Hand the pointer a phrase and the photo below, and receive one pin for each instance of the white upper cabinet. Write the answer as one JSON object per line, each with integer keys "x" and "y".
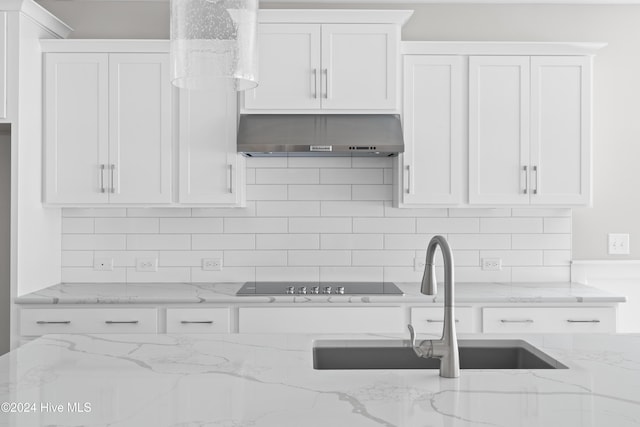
{"x": 210, "y": 169}
{"x": 4, "y": 38}
{"x": 529, "y": 130}
{"x": 107, "y": 128}
{"x": 430, "y": 169}
{"x": 314, "y": 61}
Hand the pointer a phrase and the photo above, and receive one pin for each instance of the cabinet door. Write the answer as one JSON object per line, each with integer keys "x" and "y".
{"x": 289, "y": 76}
{"x": 432, "y": 115}
{"x": 3, "y": 64}
{"x": 140, "y": 128}
{"x": 560, "y": 130}
{"x": 75, "y": 130}
{"x": 499, "y": 130}
{"x": 359, "y": 66}
{"x": 211, "y": 170}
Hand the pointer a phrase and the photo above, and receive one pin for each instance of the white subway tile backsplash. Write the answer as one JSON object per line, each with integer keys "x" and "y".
{"x": 287, "y": 175}
{"x": 372, "y": 192}
{"x": 287, "y": 241}
{"x": 319, "y": 192}
{"x": 353, "y": 208}
{"x": 382, "y": 258}
{"x": 320, "y": 225}
{"x": 384, "y": 225}
{"x": 190, "y": 225}
{"x": 255, "y": 225}
{"x": 255, "y": 258}
{"x": 304, "y": 274}
{"x": 77, "y": 225}
{"x": 288, "y": 208}
{"x": 351, "y": 176}
{"x": 351, "y": 241}
{"x": 223, "y": 241}
{"x": 311, "y": 219}
{"x": 542, "y": 241}
{"x": 511, "y": 225}
{"x": 88, "y": 242}
{"x": 319, "y": 258}
{"x": 158, "y": 241}
{"x": 126, "y": 225}
{"x": 447, "y": 225}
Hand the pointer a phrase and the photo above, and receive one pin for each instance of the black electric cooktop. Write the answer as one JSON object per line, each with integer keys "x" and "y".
{"x": 319, "y": 288}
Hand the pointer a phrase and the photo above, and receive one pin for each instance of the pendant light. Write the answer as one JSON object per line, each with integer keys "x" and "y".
{"x": 214, "y": 41}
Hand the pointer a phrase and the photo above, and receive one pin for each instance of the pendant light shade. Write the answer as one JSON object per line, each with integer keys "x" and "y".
{"x": 213, "y": 40}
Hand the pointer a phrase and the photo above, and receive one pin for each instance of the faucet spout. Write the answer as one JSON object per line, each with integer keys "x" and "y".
{"x": 446, "y": 349}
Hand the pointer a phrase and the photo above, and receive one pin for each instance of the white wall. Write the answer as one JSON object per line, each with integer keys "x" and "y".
{"x": 616, "y": 125}
{"x": 5, "y": 238}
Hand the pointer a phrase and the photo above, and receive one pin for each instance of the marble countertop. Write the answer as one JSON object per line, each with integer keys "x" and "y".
{"x": 188, "y": 293}
{"x": 269, "y": 381}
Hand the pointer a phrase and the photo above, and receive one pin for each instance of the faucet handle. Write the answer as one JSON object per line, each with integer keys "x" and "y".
{"x": 412, "y": 334}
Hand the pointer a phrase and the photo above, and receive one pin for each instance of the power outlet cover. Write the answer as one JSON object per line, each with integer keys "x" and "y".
{"x": 147, "y": 264}
{"x": 212, "y": 264}
{"x": 491, "y": 264}
{"x": 619, "y": 244}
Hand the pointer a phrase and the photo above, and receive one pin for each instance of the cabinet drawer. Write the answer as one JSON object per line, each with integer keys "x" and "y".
{"x": 198, "y": 320}
{"x": 34, "y": 322}
{"x": 321, "y": 320}
{"x": 549, "y": 320}
{"x": 430, "y": 320}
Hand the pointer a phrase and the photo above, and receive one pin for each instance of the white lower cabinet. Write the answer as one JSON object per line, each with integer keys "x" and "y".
{"x": 41, "y": 321}
{"x": 321, "y": 320}
{"x": 430, "y": 320}
{"x": 548, "y": 320}
{"x": 198, "y": 321}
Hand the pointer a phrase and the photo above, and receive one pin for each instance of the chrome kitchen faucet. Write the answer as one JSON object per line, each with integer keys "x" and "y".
{"x": 446, "y": 348}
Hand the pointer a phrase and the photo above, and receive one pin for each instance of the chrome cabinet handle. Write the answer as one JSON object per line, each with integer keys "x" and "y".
{"x": 315, "y": 83}
{"x": 185, "y": 322}
{"x": 583, "y": 321}
{"x": 409, "y": 181}
{"x": 113, "y": 172}
{"x": 438, "y": 321}
{"x": 526, "y": 180}
{"x": 516, "y": 320}
{"x": 118, "y": 322}
{"x": 326, "y": 83}
{"x": 230, "y": 170}
{"x": 102, "y": 168}
{"x": 535, "y": 170}
{"x": 58, "y": 322}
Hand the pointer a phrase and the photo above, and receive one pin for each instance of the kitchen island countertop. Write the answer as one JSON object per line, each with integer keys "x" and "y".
{"x": 225, "y": 293}
{"x": 268, "y": 380}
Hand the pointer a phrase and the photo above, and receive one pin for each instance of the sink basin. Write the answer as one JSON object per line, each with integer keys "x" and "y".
{"x": 397, "y": 354}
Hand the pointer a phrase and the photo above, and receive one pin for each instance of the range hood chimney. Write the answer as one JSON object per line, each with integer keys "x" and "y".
{"x": 376, "y": 135}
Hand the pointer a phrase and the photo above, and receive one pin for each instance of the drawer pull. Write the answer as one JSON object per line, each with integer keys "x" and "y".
{"x": 47, "y": 322}
{"x": 184, "y": 322}
{"x": 438, "y": 321}
{"x": 516, "y": 320}
{"x": 117, "y": 322}
{"x": 583, "y": 321}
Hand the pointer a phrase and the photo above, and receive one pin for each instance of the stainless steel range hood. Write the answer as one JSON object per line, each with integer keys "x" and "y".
{"x": 320, "y": 135}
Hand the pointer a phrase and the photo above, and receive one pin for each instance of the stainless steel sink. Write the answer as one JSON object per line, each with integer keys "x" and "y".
{"x": 397, "y": 354}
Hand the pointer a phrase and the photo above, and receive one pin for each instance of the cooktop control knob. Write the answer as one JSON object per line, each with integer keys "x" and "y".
{"x": 340, "y": 290}
{"x": 326, "y": 290}
{"x": 291, "y": 290}
{"x": 315, "y": 290}
{"x": 302, "y": 290}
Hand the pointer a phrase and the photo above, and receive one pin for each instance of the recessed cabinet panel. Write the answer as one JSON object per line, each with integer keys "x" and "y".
{"x": 560, "y": 134}
{"x": 140, "y": 124}
{"x": 431, "y": 166}
{"x": 76, "y": 134}
{"x": 289, "y": 60}
{"x": 498, "y": 130}
{"x": 211, "y": 171}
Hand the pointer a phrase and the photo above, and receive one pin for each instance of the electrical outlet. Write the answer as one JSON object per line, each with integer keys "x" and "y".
{"x": 147, "y": 264}
{"x": 418, "y": 264}
{"x": 103, "y": 264}
{"x": 212, "y": 264}
{"x": 619, "y": 244}
{"x": 491, "y": 264}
